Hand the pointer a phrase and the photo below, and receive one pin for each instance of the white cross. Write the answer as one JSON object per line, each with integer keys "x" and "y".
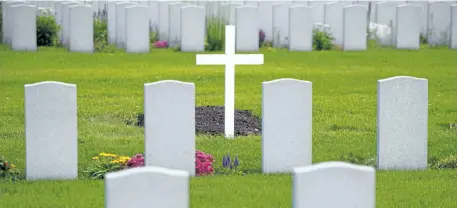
{"x": 230, "y": 59}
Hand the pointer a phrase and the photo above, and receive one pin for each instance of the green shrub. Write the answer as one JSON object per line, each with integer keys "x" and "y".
{"x": 101, "y": 43}
{"x": 215, "y": 35}
{"x": 322, "y": 40}
{"x": 47, "y": 31}
{"x": 356, "y": 159}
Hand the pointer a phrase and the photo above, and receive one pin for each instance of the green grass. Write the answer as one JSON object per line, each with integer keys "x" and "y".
{"x": 110, "y": 91}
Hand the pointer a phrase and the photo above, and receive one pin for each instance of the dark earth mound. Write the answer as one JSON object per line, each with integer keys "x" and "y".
{"x": 210, "y": 120}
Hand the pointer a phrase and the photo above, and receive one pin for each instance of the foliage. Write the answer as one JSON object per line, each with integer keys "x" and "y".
{"x": 203, "y": 163}
{"x": 423, "y": 39}
{"x": 101, "y": 42}
{"x": 229, "y": 166}
{"x": 153, "y": 37}
{"x": 215, "y": 35}
{"x": 447, "y": 162}
{"x": 8, "y": 170}
{"x": 356, "y": 159}
{"x": 322, "y": 40}
{"x": 106, "y": 162}
{"x": 47, "y": 31}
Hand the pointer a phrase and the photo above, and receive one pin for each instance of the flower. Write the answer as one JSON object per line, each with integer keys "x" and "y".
{"x": 161, "y": 44}
{"x": 136, "y": 161}
{"x": 103, "y": 154}
{"x": 95, "y": 158}
{"x": 203, "y": 163}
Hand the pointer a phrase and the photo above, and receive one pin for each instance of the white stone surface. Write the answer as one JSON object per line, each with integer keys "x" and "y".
{"x": 111, "y": 22}
{"x": 153, "y": 186}
{"x": 163, "y": 20}
{"x": 81, "y": 31}
{"x": 402, "y": 123}
{"x": 454, "y": 26}
{"x": 286, "y": 125}
{"x": 23, "y": 27}
{"x": 174, "y": 29}
{"x": 192, "y": 29}
{"x": 266, "y": 18}
{"x": 318, "y": 10}
{"x": 121, "y": 23}
{"x": 153, "y": 15}
{"x": 301, "y": 28}
{"x": 439, "y": 21}
{"x": 229, "y": 59}
{"x": 8, "y": 21}
{"x": 51, "y": 131}
{"x": 229, "y": 12}
{"x": 355, "y": 28}
{"x": 281, "y": 24}
{"x": 408, "y": 27}
{"x": 167, "y": 105}
{"x": 65, "y": 39}
{"x": 386, "y": 13}
{"x": 247, "y": 28}
{"x": 137, "y": 29}
{"x": 334, "y": 17}
{"x": 58, "y": 15}
{"x": 334, "y": 184}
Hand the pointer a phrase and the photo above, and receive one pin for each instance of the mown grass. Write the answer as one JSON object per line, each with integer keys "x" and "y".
{"x": 110, "y": 91}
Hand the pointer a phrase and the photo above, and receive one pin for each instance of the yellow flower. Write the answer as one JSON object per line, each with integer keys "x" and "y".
{"x": 115, "y": 161}
{"x": 95, "y": 158}
{"x": 104, "y": 154}
{"x": 124, "y": 158}
{"x": 12, "y": 166}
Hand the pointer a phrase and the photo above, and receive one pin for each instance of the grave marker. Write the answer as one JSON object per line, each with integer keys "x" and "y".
{"x": 174, "y": 29}
{"x": 192, "y": 29}
{"x": 439, "y": 21}
{"x": 137, "y": 29}
{"x": 169, "y": 125}
{"x": 51, "y": 131}
{"x": 454, "y": 26}
{"x": 23, "y": 27}
{"x": 229, "y": 59}
{"x": 286, "y": 125}
{"x": 408, "y": 27}
{"x": 402, "y": 124}
{"x": 300, "y": 28}
{"x": 355, "y": 28}
{"x": 247, "y": 28}
{"x": 81, "y": 30}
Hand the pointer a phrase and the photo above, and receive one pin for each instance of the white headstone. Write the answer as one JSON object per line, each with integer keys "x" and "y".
{"x": 439, "y": 22}
{"x": 174, "y": 29}
{"x": 402, "y": 123}
{"x": 334, "y": 17}
{"x": 355, "y": 28}
{"x": 81, "y": 31}
{"x": 286, "y": 125}
{"x": 8, "y": 21}
{"x": 23, "y": 25}
{"x": 229, "y": 12}
{"x": 111, "y": 22}
{"x": 247, "y": 28}
{"x": 408, "y": 27}
{"x": 51, "y": 131}
{"x": 137, "y": 29}
{"x": 65, "y": 38}
{"x": 229, "y": 59}
{"x": 147, "y": 186}
{"x": 169, "y": 125}
{"x": 318, "y": 10}
{"x": 386, "y": 13}
{"x": 121, "y": 30}
{"x": 334, "y": 184}
{"x": 301, "y": 28}
{"x": 163, "y": 20}
{"x": 281, "y": 24}
{"x": 454, "y": 26}
{"x": 192, "y": 29}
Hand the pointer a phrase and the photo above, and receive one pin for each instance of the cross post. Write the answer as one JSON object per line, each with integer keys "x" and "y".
{"x": 229, "y": 59}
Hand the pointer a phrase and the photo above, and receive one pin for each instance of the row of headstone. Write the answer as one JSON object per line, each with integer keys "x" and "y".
{"x": 286, "y": 140}
{"x": 19, "y": 26}
{"x": 328, "y": 184}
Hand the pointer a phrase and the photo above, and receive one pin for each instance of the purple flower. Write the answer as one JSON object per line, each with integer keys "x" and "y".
{"x": 236, "y": 163}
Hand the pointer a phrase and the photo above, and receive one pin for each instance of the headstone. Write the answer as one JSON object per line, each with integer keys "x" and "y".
{"x": 153, "y": 16}
{"x": 81, "y": 38}
{"x": 281, "y": 24}
{"x": 51, "y": 131}
{"x": 169, "y": 114}
{"x": 266, "y": 18}
{"x": 402, "y": 123}
{"x": 137, "y": 29}
{"x": 8, "y": 21}
{"x": 408, "y": 27}
{"x": 386, "y": 13}
{"x": 192, "y": 29}
{"x": 439, "y": 22}
{"x": 147, "y": 186}
{"x": 111, "y": 22}
{"x": 454, "y": 26}
{"x": 300, "y": 28}
{"x": 247, "y": 28}
{"x": 23, "y": 25}
{"x": 318, "y": 10}
{"x": 286, "y": 125}
{"x": 355, "y": 28}
{"x": 174, "y": 29}
{"x": 252, "y": 3}
{"x": 334, "y": 18}
{"x": 334, "y": 184}
{"x": 163, "y": 20}
{"x": 65, "y": 39}
{"x": 121, "y": 24}
{"x": 58, "y": 15}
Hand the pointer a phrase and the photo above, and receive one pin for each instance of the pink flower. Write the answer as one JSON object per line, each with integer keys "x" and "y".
{"x": 203, "y": 163}
{"x": 161, "y": 44}
{"x": 136, "y": 161}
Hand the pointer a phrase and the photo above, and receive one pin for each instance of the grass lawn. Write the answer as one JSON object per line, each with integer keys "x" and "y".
{"x": 110, "y": 91}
